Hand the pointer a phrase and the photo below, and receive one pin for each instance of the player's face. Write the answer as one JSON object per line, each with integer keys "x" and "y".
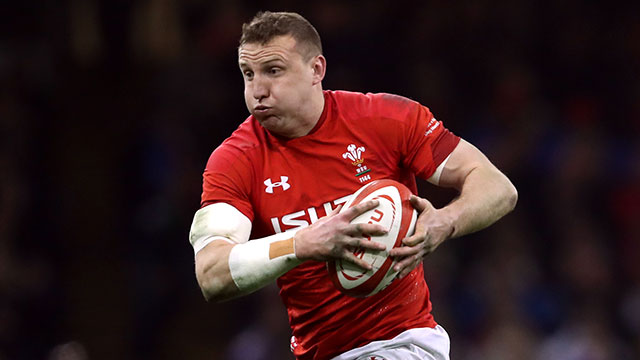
{"x": 278, "y": 83}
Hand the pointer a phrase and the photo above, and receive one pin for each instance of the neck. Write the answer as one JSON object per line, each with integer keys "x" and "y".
{"x": 310, "y": 117}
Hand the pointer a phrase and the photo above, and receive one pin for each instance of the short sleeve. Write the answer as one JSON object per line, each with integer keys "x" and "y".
{"x": 426, "y": 142}
{"x": 226, "y": 179}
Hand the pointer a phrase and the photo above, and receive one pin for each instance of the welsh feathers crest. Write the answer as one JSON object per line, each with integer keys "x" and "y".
{"x": 354, "y": 153}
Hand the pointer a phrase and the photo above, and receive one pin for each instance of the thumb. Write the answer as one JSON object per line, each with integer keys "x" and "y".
{"x": 420, "y": 204}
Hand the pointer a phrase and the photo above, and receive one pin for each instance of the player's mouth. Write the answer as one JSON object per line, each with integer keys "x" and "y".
{"x": 262, "y": 110}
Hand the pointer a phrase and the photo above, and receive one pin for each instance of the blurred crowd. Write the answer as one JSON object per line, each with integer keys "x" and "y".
{"x": 109, "y": 111}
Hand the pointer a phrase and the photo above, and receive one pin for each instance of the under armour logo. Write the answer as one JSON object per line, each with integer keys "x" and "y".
{"x": 270, "y": 185}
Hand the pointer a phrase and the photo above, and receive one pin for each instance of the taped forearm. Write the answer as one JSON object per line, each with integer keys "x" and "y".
{"x": 259, "y": 262}
{"x": 249, "y": 265}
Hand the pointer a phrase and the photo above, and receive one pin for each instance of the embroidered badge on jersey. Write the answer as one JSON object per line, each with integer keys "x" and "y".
{"x": 354, "y": 153}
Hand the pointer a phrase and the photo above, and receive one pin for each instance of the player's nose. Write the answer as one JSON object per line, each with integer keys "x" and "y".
{"x": 260, "y": 87}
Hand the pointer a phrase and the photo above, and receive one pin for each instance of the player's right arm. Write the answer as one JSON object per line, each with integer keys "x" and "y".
{"x": 228, "y": 265}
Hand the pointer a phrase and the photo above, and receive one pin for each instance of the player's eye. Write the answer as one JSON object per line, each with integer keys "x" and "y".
{"x": 248, "y": 74}
{"x": 275, "y": 70}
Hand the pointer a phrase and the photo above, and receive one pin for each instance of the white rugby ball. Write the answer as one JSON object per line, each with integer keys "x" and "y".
{"x": 395, "y": 213}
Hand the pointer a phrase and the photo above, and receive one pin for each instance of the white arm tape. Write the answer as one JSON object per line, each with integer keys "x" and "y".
{"x": 218, "y": 221}
{"x": 435, "y": 178}
{"x": 252, "y": 267}
{"x": 250, "y": 264}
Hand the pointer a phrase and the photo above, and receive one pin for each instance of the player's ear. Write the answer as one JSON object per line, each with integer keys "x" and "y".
{"x": 319, "y": 66}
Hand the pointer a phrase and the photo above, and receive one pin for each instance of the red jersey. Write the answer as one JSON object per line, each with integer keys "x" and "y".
{"x": 282, "y": 184}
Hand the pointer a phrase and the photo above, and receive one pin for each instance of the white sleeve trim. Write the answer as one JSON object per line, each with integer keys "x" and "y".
{"x": 219, "y": 221}
{"x": 435, "y": 178}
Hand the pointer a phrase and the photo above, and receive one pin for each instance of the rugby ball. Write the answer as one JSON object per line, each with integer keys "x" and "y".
{"x": 395, "y": 213}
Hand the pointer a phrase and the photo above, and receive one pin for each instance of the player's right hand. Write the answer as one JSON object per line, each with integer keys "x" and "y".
{"x": 334, "y": 237}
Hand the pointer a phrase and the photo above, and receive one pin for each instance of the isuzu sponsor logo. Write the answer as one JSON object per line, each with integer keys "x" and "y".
{"x": 305, "y": 217}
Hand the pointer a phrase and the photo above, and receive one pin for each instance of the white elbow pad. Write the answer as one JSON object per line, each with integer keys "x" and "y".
{"x": 218, "y": 221}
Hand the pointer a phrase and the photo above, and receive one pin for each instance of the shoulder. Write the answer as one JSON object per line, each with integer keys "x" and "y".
{"x": 384, "y": 105}
{"x": 242, "y": 143}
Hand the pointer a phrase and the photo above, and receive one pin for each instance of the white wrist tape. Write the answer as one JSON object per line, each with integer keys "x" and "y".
{"x": 259, "y": 262}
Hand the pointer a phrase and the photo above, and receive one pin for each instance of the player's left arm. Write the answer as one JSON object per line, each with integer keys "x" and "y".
{"x": 486, "y": 195}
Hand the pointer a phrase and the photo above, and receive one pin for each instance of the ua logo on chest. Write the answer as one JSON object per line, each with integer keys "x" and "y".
{"x": 282, "y": 183}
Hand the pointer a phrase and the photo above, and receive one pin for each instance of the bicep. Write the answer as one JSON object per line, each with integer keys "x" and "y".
{"x": 464, "y": 159}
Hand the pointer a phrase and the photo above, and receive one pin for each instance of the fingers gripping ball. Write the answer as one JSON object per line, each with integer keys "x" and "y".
{"x": 396, "y": 214}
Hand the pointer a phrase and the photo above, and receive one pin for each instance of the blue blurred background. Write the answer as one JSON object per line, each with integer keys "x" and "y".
{"x": 110, "y": 109}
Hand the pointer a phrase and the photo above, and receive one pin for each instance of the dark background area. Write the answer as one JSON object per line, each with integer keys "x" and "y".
{"x": 110, "y": 109}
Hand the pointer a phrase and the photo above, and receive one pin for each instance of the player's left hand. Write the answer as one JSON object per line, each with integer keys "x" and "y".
{"x": 432, "y": 228}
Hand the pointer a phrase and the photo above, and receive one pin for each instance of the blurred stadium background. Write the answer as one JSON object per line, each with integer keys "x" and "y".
{"x": 110, "y": 109}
